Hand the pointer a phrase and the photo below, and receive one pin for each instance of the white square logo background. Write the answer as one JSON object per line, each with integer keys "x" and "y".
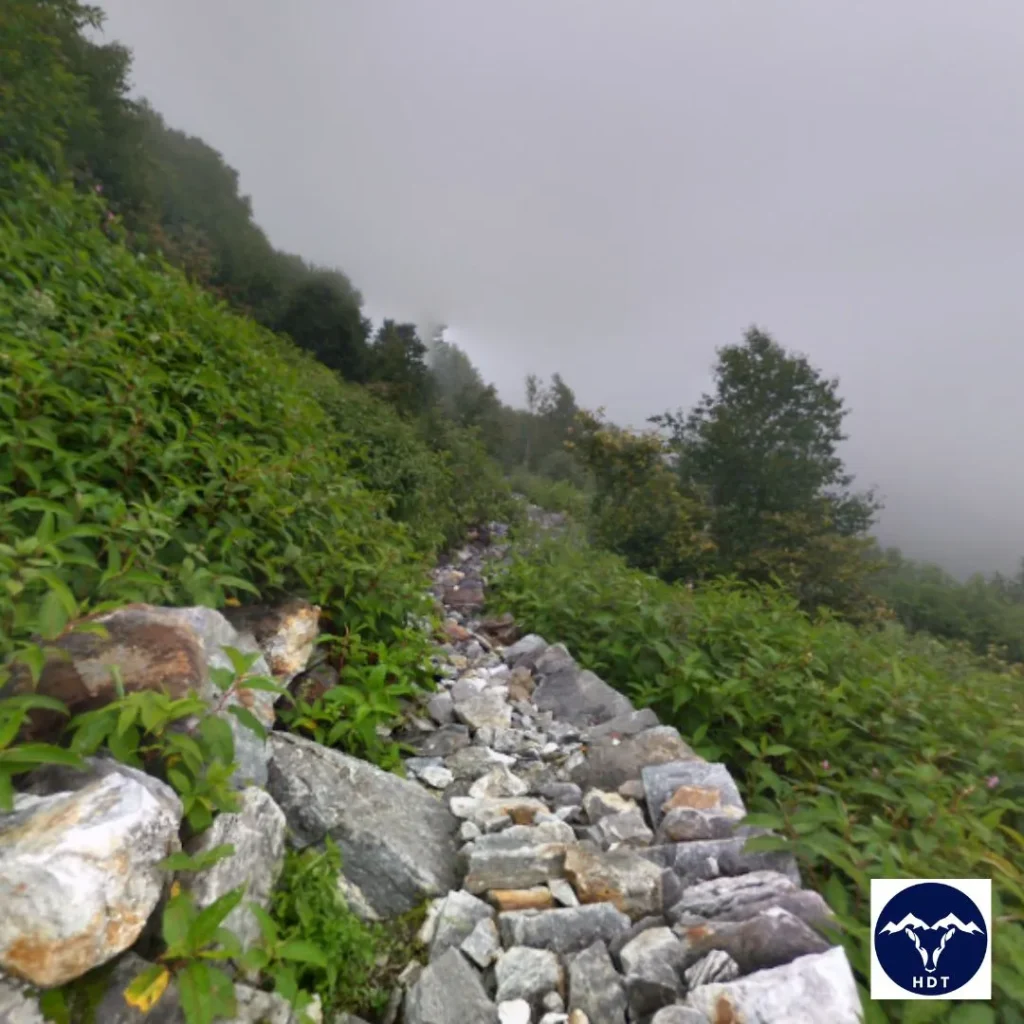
{"x": 977, "y": 889}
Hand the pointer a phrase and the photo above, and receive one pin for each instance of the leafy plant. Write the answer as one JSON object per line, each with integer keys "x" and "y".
{"x": 874, "y": 753}
{"x": 360, "y": 960}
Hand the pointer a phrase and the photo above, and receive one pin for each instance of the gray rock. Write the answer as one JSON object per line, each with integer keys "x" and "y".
{"x": 637, "y": 928}
{"x": 598, "y": 804}
{"x": 561, "y": 794}
{"x": 773, "y": 938}
{"x": 79, "y": 875}
{"x": 523, "y": 972}
{"x": 483, "y": 944}
{"x": 491, "y": 814}
{"x": 449, "y": 991}
{"x": 679, "y": 1015}
{"x": 498, "y": 782}
{"x": 663, "y": 781}
{"x": 629, "y": 724}
{"x": 469, "y": 830}
{"x": 574, "y": 695}
{"x": 563, "y": 892}
{"x": 801, "y": 992}
{"x": 529, "y": 646}
{"x": 18, "y": 1005}
{"x": 515, "y": 1011}
{"x": 610, "y": 762}
{"x": 699, "y": 861}
{"x": 444, "y": 742}
{"x": 554, "y": 1003}
{"x": 566, "y": 930}
{"x": 489, "y": 709}
{"x": 621, "y": 877}
{"x": 473, "y": 762}
{"x": 627, "y": 829}
{"x": 468, "y": 687}
{"x": 652, "y": 985}
{"x": 437, "y": 777}
{"x": 717, "y": 966}
{"x": 397, "y": 842}
{"x": 722, "y": 897}
{"x": 112, "y": 1008}
{"x": 517, "y": 858}
{"x": 595, "y": 988}
{"x": 257, "y": 832}
{"x": 652, "y": 945}
{"x": 687, "y": 824}
{"x": 441, "y": 708}
{"x": 459, "y": 914}
{"x": 803, "y": 903}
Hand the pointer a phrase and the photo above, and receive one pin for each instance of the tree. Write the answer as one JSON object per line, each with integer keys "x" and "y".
{"x": 764, "y": 445}
{"x": 397, "y": 366}
{"x": 324, "y": 317}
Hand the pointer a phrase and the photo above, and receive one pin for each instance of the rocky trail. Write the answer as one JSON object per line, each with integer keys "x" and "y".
{"x": 584, "y": 865}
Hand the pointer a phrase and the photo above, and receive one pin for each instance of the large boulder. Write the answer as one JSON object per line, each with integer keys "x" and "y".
{"x": 79, "y": 873}
{"x": 286, "y": 633}
{"x": 805, "y": 991}
{"x": 257, "y": 832}
{"x": 154, "y": 648}
{"x": 572, "y": 694}
{"x": 397, "y": 842}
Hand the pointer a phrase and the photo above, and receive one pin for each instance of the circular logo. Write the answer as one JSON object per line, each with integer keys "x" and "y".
{"x": 930, "y": 939}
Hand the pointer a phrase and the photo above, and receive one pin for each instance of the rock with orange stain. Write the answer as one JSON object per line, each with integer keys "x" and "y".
{"x": 79, "y": 875}
{"x": 286, "y": 633}
{"x": 537, "y": 898}
{"x": 620, "y": 877}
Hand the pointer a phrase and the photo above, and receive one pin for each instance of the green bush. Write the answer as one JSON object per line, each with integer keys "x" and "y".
{"x": 551, "y": 495}
{"x": 362, "y": 960}
{"x": 156, "y": 447}
{"x": 874, "y": 753}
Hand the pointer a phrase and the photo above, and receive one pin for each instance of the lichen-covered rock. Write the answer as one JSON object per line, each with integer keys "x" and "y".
{"x": 397, "y": 842}
{"x": 594, "y": 987}
{"x": 801, "y": 992}
{"x": 79, "y": 875}
{"x": 620, "y": 877}
{"x": 257, "y": 832}
{"x": 565, "y": 930}
{"x": 449, "y": 991}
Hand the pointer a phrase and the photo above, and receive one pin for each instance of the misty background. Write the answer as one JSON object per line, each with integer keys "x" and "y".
{"x": 611, "y": 190}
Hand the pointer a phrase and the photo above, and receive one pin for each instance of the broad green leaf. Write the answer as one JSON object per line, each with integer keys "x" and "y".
{"x": 302, "y": 951}
{"x": 248, "y": 719}
{"x": 208, "y": 920}
{"x": 40, "y": 753}
{"x": 182, "y": 861}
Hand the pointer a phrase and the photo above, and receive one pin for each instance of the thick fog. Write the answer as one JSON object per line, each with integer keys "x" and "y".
{"x": 612, "y": 189}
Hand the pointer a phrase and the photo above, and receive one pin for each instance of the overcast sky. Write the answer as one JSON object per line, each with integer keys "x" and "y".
{"x": 613, "y": 188}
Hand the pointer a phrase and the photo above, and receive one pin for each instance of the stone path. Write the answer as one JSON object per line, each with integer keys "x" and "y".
{"x": 602, "y": 864}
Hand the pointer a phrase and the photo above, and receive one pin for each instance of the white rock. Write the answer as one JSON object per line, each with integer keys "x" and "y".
{"x": 798, "y": 993}
{"x": 514, "y": 1011}
{"x": 79, "y": 875}
{"x": 437, "y": 777}
{"x": 498, "y": 782}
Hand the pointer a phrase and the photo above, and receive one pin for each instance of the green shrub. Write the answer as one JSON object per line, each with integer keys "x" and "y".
{"x": 362, "y": 960}
{"x": 874, "y": 753}
{"x": 153, "y": 446}
{"x": 551, "y": 495}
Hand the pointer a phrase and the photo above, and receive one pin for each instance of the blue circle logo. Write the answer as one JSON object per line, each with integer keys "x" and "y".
{"x": 930, "y": 939}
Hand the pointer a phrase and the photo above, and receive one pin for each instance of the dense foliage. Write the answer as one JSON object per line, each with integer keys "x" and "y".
{"x": 874, "y": 753}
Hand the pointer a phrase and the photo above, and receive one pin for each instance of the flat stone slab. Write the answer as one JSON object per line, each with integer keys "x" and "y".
{"x": 397, "y": 842}
{"x": 566, "y": 930}
{"x": 698, "y": 861}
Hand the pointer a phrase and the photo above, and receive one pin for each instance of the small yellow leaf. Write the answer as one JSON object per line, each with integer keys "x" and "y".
{"x": 145, "y": 991}
{"x": 175, "y": 889}
{"x": 232, "y": 602}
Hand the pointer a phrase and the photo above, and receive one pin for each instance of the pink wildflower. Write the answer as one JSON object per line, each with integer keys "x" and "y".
{"x": 992, "y": 781}
{"x": 825, "y": 765}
